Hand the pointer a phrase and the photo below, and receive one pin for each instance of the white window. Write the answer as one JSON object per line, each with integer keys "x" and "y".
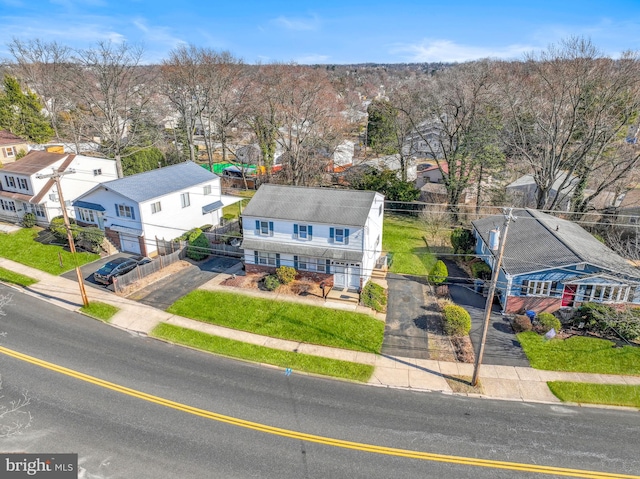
{"x": 7, "y": 205}
{"x": 38, "y": 210}
{"x": 339, "y": 237}
{"x": 605, "y": 294}
{"x": 86, "y": 215}
{"x": 264, "y": 228}
{"x": 125, "y": 211}
{"x": 312, "y": 264}
{"x": 537, "y": 288}
{"x": 23, "y": 184}
{"x": 184, "y": 198}
{"x": 155, "y": 207}
{"x": 97, "y": 172}
{"x": 10, "y": 180}
{"x": 268, "y": 259}
{"x": 9, "y": 151}
{"x": 302, "y": 231}
{"x": 206, "y": 190}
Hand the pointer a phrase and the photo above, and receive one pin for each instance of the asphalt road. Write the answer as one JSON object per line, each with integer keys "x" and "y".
{"x": 120, "y": 436}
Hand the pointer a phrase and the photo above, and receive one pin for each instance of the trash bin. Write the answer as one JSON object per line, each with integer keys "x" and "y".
{"x": 531, "y": 315}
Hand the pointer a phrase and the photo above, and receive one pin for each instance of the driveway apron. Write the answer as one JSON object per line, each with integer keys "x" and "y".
{"x": 405, "y": 332}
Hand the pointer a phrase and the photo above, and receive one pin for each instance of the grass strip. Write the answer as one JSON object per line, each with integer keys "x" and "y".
{"x": 21, "y": 246}
{"x": 8, "y": 276}
{"x": 580, "y": 354}
{"x": 283, "y": 319}
{"x": 98, "y": 310}
{"x": 610, "y": 394}
{"x": 261, "y": 354}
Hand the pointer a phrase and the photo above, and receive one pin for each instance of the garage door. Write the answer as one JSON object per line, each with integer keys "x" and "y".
{"x": 129, "y": 244}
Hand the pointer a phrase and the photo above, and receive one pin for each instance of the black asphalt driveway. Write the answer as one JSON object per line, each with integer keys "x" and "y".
{"x": 165, "y": 292}
{"x": 405, "y": 332}
{"x": 408, "y": 318}
{"x": 90, "y": 268}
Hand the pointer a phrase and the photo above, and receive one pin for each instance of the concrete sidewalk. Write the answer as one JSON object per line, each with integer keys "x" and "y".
{"x": 499, "y": 382}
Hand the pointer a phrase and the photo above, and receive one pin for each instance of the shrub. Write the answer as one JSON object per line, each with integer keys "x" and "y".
{"x": 374, "y": 296}
{"x": 462, "y": 240}
{"x": 286, "y": 274}
{"x": 438, "y": 273}
{"x": 601, "y": 318}
{"x": 480, "y": 270}
{"x": 548, "y": 321}
{"x": 271, "y": 282}
{"x": 29, "y": 220}
{"x": 58, "y": 229}
{"x": 521, "y": 323}
{"x": 198, "y": 247}
{"x": 457, "y": 321}
{"x": 92, "y": 237}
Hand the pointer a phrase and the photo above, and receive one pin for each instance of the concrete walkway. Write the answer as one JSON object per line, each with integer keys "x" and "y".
{"x": 500, "y": 382}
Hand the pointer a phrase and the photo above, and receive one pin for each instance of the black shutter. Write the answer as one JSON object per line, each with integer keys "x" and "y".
{"x": 255, "y": 257}
{"x": 310, "y": 232}
{"x": 295, "y": 230}
{"x": 270, "y": 228}
{"x": 295, "y": 262}
{"x": 332, "y": 233}
{"x": 277, "y": 260}
{"x": 257, "y": 227}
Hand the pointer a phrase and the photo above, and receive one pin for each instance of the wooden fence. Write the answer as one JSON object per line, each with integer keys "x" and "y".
{"x": 122, "y": 283}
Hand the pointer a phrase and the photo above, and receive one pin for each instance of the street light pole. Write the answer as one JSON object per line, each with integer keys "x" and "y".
{"x": 492, "y": 289}
{"x": 72, "y": 246}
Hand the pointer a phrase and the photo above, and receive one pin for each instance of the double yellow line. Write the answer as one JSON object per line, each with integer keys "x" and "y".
{"x": 425, "y": 456}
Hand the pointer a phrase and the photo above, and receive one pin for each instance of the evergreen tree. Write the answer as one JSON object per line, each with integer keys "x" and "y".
{"x": 381, "y": 128}
{"x": 21, "y": 113}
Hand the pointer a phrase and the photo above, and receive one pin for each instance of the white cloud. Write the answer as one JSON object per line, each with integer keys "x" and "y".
{"x": 297, "y": 24}
{"x": 157, "y": 35}
{"x": 449, "y": 51}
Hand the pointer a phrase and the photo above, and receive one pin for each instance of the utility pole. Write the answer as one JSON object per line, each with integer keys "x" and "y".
{"x": 492, "y": 289}
{"x": 56, "y": 175}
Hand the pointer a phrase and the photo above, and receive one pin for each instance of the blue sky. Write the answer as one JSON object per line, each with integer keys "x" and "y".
{"x": 328, "y": 31}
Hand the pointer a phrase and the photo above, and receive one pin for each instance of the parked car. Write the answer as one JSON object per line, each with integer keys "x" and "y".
{"x": 114, "y": 268}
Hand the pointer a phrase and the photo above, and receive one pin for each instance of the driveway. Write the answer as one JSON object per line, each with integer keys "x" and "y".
{"x": 90, "y": 268}
{"x": 405, "y": 332}
{"x": 165, "y": 292}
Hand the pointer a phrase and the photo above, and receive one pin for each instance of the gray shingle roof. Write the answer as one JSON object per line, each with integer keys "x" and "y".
{"x": 160, "y": 182}
{"x": 314, "y": 205}
{"x": 538, "y": 241}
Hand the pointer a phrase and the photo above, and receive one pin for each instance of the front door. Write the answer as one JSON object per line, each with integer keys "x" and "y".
{"x": 569, "y": 294}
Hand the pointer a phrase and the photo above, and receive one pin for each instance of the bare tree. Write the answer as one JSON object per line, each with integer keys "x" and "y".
{"x": 183, "y": 84}
{"x": 308, "y": 121}
{"x": 453, "y": 113}
{"x": 567, "y": 108}
{"x": 44, "y": 67}
{"x": 114, "y": 89}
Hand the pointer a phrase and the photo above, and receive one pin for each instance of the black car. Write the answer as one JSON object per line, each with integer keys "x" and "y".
{"x": 114, "y": 268}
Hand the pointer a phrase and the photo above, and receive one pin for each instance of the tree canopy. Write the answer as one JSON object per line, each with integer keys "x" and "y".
{"x": 20, "y": 113}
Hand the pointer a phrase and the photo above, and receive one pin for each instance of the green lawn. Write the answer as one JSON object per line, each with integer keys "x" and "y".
{"x": 611, "y": 394}
{"x": 285, "y": 320}
{"x": 580, "y": 354}
{"x": 22, "y": 247}
{"x": 16, "y": 278}
{"x": 261, "y": 354}
{"x": 98, "y": 310}
{"x": 403, "y": 237}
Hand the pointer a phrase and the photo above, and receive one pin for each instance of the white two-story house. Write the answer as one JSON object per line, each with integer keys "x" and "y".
{"x": 26, "y": 188}
{"x": 161, "y": 203}
{"x": 330, "y": 235}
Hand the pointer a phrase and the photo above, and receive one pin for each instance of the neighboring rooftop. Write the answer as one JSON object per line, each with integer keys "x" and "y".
{"x": 159, "y": 182}
{"x": 314, "y": 205}
{"x": 33, "y": 162}
{"x": 8, "y": 138}
{"x": 538, "y": 241}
